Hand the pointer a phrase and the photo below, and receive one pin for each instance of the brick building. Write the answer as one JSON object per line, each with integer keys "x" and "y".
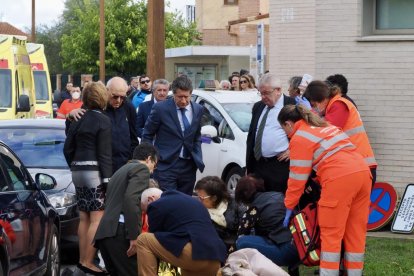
{"x": 371, "y": 42}
{"x": 229, "y": 31}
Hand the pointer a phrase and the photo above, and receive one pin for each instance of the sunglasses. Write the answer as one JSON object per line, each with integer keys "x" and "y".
{"x": 145, "y": 81}
{"x": 116, "y": 97}
{"x": 243, "y": 81}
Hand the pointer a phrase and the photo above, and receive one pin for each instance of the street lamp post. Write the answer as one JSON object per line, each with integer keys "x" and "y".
{"x": 33, "y": 38}
{"x": 101, "y": 41}
{"x": 156, "y": 40}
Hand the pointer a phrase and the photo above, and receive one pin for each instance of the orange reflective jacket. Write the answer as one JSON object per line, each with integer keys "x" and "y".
{"x": 326, "y": 150}
{"x": 354, "y": 128}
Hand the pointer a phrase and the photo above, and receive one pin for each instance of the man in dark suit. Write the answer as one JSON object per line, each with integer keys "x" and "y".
{"x": 120, "y": 225}
{"x": 267, "y": 153}
{"x": 181, "y": 233}
{"x": 159, "y": 93}
{"x": 174, "y": 128}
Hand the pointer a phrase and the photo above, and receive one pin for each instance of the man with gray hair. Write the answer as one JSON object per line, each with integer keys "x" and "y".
{"x": 159, "y": 93}
{"x": 267, "y": 153}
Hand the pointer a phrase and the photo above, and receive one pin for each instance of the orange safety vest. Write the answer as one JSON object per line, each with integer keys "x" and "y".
{"x": 326, "y": 150}
{"x": 354, "y": 128}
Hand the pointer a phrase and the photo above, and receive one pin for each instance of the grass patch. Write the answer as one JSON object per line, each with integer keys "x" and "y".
{"x": 383, "y": 256}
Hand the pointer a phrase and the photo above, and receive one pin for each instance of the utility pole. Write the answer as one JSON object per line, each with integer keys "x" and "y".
{"x": 101, "y": 40}
{"x": 156, "y": 40}
{"x": 33, "y": 38}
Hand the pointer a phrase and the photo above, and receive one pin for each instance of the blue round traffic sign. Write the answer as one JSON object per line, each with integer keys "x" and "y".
{"x": 383, "y": 202}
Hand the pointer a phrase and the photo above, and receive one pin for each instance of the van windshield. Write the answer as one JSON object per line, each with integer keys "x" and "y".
{"x": 40, "y": 81}
{"x": 5, "y": 88}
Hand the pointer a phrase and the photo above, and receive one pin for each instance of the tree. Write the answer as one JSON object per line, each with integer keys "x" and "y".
{"x": 125, "y": 36}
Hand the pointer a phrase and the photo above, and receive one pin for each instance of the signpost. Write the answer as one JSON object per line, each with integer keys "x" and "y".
{"x": 404, "y": 220}
{"x": 260, "y": 49}
{"x": 383, "y": 202}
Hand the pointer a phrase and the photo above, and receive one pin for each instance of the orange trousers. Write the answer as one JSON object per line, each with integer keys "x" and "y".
{"x": 343, "y": 211}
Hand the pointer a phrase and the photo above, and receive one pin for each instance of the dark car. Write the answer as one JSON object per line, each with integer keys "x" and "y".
{"x": 29, "y": 225}
{"x": 39, "y": 143}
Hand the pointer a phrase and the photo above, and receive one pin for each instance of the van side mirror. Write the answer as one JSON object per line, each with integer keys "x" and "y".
{"x": 209, "y": 131}
{"x": 45, "y": 181}
{"x": 24, "y": 104}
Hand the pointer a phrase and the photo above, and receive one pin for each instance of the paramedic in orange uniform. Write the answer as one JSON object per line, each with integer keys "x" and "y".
{"x": 345, "y": 180}
{"x": 341, "y": 112}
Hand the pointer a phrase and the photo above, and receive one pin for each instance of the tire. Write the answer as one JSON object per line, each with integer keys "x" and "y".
{"x": 232, "y": 177}
{"x": 53, "y": 259}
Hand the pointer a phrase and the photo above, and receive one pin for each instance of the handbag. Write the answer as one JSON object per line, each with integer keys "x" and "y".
{"x": 306, "y": 235}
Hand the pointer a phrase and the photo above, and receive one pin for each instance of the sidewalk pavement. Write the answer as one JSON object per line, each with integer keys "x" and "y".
{"x": 385, "y": 232}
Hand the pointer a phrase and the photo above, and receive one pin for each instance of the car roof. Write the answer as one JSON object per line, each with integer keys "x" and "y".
{"x": 226, "y": 96}
{"x": 35, "y": 123}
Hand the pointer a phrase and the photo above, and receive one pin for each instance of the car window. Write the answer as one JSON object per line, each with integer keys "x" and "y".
{"x": 211, "y": 116}
{"x": 241, "y": 113}
{"x": 13, "y": 170}
{"x": 225, "y": 130}
{"x": 37, "y": 147}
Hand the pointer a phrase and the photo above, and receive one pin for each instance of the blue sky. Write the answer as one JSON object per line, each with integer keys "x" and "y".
{"x": 18, "y": 12}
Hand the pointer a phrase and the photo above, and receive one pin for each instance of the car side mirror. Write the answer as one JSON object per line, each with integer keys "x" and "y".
{"x": 209, "y": 131}
{"x": 45, "y": 181}
{"x": 24, "y": 104}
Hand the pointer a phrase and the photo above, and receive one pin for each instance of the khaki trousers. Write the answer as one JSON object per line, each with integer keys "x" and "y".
{"x": 149, "y": 250}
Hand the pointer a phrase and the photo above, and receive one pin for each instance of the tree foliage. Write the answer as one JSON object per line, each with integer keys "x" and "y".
{"x": 125, "y": 36}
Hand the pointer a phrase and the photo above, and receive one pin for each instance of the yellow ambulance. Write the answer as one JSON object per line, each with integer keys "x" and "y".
{"x": 17, "y": 94}
{"x": 41, "y": 80}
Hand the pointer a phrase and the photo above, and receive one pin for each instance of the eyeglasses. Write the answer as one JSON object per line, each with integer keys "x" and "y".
{"x": 203, "y": 197}
{"x": 145, "y": 81}
{"x": 243, "y": 81}
{"x": 116, "y": 97}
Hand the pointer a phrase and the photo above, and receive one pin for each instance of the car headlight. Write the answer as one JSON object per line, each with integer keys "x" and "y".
{"x": 62, "y": 199}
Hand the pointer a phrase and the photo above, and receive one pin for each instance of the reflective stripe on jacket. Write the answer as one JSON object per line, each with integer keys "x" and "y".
{"x": 326, "y": 150}
{"x": 354, "y": 128}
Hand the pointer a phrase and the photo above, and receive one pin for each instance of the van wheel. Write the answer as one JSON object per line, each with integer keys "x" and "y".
{"x": 232, "y": 177}
{"x": 53, "y": 261}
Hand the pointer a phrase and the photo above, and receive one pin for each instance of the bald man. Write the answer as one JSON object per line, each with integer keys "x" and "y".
{"x": 123, "y": 118}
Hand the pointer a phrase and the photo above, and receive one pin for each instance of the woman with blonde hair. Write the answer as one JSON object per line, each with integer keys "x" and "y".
{"x": 88, "y": 152}
{"x": 342, "y": 208}
{"x": 247, "y": 83}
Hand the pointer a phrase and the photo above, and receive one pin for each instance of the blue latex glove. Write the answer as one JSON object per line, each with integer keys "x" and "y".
{"x": 287, "y": 217}
{"x": 303, "y": 101}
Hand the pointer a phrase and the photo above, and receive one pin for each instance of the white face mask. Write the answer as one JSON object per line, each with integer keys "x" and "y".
{"x": 75, "y": 95}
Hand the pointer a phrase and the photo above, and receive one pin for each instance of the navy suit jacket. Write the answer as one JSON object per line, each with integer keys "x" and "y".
{"x": 176, "y": 219}
{"x": 144, "y": 111}
{"x": 163, "y": 129}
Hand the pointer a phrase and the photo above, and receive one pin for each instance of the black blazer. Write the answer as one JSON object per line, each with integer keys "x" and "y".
{"x": 89, "y": 139}
{"x": 251, "y": 136}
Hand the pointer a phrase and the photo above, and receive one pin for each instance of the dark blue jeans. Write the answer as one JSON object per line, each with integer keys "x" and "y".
{"x": 284, "y": 254}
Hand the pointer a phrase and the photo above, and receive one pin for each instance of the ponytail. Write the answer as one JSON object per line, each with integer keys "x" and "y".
{"x": 295, "y": 113}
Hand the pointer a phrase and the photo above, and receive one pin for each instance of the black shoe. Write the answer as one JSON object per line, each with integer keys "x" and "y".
{"x": 90, "y": 271}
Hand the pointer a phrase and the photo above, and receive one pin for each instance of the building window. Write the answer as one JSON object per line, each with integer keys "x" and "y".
{"x": 231, "y": 2}
{"x": 388, "y": 17}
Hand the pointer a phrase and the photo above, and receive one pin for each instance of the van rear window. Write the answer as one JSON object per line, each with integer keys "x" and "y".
{"x": 41, "y": 86}
{"x": 5, "y": 88}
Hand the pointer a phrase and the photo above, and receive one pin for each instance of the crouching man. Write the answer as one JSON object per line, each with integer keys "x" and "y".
{"x": 181, "y": 233}
{"x": 120, "y": 225}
